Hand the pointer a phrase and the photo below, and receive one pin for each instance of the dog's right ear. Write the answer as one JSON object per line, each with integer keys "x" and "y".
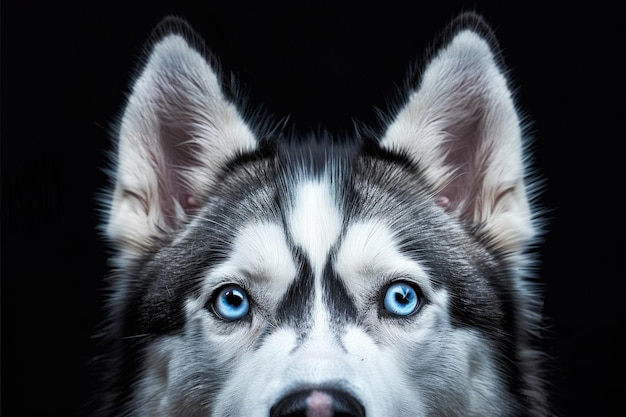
{"x": 177, "y": 132}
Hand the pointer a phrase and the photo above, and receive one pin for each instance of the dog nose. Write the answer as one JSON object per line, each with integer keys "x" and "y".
{"x": 318, "y": 403}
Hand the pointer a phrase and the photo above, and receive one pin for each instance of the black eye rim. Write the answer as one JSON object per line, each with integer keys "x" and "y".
{"x": 421, "y": 300}
{"x": 211, "y": 304}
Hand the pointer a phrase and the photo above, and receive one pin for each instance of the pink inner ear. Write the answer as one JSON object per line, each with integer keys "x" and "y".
{"x": 468, "y": 157}
{"x": 192, "y": 203}
{"x": 442, "y": 201}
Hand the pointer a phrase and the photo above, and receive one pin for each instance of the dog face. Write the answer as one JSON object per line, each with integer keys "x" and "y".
{"x": 259, "y": 274}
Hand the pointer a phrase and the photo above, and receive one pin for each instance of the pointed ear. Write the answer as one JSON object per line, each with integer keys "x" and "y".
{"x": 460, "y": 127}
{"x": 177, "y": 132}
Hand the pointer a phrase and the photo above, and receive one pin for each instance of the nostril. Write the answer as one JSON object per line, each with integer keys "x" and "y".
{"x": 292, "y": 405}
{"x": 345, "y": 405}
{"x": 318, "y": 403}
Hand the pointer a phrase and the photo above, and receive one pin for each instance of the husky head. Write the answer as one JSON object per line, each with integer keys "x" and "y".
{"x": 262, "y": 275}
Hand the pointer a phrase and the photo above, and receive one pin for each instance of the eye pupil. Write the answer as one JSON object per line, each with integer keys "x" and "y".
{"x": 233, "y": 299}
{"x": 402, "y": 298}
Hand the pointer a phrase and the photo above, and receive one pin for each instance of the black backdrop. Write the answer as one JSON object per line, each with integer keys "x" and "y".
{"x": 65, "y": 70}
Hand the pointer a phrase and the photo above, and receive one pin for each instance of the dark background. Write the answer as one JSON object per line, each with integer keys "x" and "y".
{"x": 65, "y": 70}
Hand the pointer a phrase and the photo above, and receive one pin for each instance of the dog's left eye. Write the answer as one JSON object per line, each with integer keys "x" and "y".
{"x": 401, "y": 299}
{"x": 231, "y": 303}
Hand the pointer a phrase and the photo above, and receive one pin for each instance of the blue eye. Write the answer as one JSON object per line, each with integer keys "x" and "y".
{"x": 231, "y": 303}
{"x": 401, "y": 299}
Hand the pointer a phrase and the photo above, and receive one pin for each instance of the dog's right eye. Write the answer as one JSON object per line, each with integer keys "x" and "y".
{"x": 231, "y": 303}
{"x": 402, "y": 299}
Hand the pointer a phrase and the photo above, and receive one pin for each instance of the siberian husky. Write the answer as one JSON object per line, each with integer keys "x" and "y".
{"x": 257, "y": 274}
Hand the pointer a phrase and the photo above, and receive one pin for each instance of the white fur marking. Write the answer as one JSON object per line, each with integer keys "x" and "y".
{"x": 259, "y": 252}
{"x": 369, "y": 251}
{"x": 315, "y": 222}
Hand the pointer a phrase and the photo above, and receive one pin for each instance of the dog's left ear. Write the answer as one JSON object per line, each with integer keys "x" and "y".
{"x": 460, "y": 127}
